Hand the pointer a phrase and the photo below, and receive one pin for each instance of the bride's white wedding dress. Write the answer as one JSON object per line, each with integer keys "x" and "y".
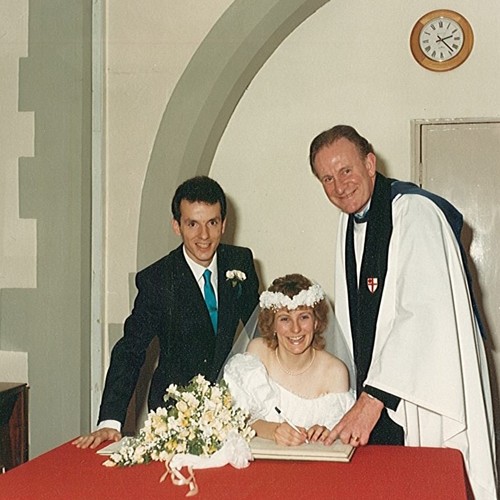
{"x": 253, "y": 390}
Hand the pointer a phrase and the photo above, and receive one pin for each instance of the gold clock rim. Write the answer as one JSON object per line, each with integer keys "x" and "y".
{"x": 455, "y": 61}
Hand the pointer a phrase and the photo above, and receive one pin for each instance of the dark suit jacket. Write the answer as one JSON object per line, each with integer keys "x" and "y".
{"x": 170, "y": 306}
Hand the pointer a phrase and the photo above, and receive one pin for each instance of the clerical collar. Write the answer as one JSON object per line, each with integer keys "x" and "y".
{"x": 362, "y": 215}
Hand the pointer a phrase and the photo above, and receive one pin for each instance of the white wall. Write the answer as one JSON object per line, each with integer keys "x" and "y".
{"x": 349, "y": 63}
{"x": 149, "y": 44}
{"x": 18, "y": 238}
{"x": 45, "y": 68}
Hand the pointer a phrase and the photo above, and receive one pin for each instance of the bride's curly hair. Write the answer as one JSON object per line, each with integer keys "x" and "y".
{"x": 291, "y": 285}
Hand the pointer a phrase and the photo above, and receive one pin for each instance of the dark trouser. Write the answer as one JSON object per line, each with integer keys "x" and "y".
{"x": 387, "y": 431}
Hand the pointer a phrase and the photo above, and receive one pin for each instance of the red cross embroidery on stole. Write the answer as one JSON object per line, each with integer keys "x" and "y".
{"x": 372, "y": 284}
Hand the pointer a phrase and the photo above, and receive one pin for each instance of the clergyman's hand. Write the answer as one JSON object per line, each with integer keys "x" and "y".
{"x": 357, "y": 424}
{"x": 94, "y": 439}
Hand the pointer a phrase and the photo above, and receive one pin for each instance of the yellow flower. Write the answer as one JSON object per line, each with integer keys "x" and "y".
{"x": 207, "y": 417}
{"x": 199, "y": 422}
{"x": 191, "y": 400}
{"x": 181, "y": 406}
{"x": 139, "y": 454}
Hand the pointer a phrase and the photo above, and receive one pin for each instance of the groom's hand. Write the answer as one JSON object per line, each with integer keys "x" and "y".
{"x": 357, "y": 424}
{"x": 97, "y": 437}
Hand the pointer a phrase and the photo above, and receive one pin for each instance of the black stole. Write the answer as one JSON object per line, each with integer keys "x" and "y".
{"x": 364, "y": 300}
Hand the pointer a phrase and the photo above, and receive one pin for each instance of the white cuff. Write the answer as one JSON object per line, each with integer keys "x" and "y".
{"x": 111, "y": 424}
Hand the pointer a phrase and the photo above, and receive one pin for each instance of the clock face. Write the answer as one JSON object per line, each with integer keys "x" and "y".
{"x": 441, "y": 39}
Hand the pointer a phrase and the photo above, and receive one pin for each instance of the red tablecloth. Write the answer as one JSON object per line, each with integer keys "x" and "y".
{"x": 375, "y": 472}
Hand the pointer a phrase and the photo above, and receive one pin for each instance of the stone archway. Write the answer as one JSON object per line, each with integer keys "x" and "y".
{"x": 202, "y": 104}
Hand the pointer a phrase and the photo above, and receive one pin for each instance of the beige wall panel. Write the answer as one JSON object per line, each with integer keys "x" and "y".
{"x": 45, "y": 50}
{"x": 149, "y": 45}
{"x": 18, "y": 236}
{"x": 348, "y": 63}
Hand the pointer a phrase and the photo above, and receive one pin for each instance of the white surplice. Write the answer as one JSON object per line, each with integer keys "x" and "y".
{"x": 428, "y": 349}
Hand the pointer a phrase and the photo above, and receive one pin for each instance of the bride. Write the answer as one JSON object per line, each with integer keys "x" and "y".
{"x": 294, "y": 390}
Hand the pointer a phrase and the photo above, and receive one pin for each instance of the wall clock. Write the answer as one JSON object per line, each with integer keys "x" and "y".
{"x": 441, "y": 40}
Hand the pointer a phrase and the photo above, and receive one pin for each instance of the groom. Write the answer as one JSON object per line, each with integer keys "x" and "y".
{"x": 194, "y": 314}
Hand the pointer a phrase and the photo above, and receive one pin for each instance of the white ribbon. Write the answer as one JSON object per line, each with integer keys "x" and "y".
{"x": 235, "y": 451}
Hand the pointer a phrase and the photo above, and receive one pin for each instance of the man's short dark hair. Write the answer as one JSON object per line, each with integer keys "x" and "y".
{"x": 332, "y": 135}
{"x": 202, "y": 189}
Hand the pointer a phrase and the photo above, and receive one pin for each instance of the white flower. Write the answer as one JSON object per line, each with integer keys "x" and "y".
{"x": 197, "y": 423}
{"x": 162, "y": 411}
{"x": 235, "y": 276}
{"x": 182, "y": 406}
{"x": 172, "y": 388}
{"x": 139, "y": 453}
{"x": 216, "y": 395}
{"x": 278, "y": 300}
{"x": 191, "y": 400}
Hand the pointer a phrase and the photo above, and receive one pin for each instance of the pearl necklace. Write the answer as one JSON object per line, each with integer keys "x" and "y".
{"x": 294, "y": 374}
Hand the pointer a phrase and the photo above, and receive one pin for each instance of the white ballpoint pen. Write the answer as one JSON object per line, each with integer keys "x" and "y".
{"x": 293, "y": 426}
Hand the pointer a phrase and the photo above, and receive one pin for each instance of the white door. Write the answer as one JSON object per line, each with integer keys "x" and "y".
{"x": 460, "y": 160}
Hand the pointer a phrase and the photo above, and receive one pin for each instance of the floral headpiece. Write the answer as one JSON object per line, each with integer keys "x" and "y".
{"x": 278, "y": 300}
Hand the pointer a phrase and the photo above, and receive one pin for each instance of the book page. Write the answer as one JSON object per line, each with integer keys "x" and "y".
{"x": 337, "y": 452}
{"x": 111, "y": 448}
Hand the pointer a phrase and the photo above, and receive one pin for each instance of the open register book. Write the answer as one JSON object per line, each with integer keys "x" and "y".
{"x": 111, "y": 448}
{"x": 264, "y": 448}
{"x": 337, "y": 452}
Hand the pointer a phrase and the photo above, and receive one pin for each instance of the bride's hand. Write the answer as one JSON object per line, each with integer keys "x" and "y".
{"x": 317, "y": 433}
{"x": 286, "y": 435}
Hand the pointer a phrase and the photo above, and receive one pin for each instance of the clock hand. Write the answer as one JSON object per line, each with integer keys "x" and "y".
{"x": 443, "y": 40}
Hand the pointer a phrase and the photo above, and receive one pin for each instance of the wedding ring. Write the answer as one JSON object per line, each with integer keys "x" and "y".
{"x": 355, "y": 438}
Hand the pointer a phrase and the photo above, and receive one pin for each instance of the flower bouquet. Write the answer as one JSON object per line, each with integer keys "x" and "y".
{"x": 200, "y": 429}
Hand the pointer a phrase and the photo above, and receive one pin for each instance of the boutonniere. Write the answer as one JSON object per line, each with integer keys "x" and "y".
{"x": 235, "y": 276}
